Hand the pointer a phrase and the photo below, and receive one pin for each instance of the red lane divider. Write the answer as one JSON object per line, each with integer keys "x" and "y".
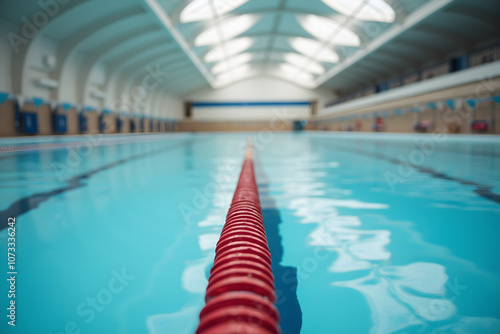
{"x": 240, "y": 293}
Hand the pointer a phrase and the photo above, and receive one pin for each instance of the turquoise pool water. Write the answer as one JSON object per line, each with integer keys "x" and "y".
{"x": 368, "y": 233}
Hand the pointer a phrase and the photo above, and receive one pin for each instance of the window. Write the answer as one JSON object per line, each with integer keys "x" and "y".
{"x": 304, "y": 63}
{"x": 199, "y": 10}
{"x": 328, "y": 31}
{"x": 226, "y": 30}
{"x": 365, "y": 10}
{"x": 231, "y": 63}
{"x": 228, "y": 49}
{"x": 314, "y": 50}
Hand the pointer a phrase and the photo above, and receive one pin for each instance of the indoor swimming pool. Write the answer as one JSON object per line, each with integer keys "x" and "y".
{"x": 368, "y": 233}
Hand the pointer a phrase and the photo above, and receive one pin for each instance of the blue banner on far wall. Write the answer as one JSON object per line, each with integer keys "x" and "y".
{"x": 37, "y": 102}
{"x": 3, "y": 97}
{"x": 250, "y": 104}
{"x": 66, "y": 106}
{"x": 496, "y": 99}
{"x": 472, "y": 103}
{"x": 451, "y": 104}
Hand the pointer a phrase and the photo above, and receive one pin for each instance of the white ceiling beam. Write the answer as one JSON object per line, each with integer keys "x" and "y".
{"x": 411, "y": 21}
{"x": 157, "y": 10}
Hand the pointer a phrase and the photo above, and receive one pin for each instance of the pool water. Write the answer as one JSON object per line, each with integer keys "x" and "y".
{"x": 368, "y": 233}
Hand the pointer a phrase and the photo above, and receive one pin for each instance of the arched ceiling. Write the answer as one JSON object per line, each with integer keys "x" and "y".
{"x": 300, "y": 41}
{"x": 338, "y": 44}
{"x": 110, "y": 48}
{"x": 317, "y": 42}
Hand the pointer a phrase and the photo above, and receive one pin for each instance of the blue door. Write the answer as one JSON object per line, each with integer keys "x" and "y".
{"x": 60, "y": 123}
{"x": 30, "y": 122}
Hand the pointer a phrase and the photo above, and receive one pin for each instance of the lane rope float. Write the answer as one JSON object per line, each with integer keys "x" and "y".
{"x": 240, "y": 294}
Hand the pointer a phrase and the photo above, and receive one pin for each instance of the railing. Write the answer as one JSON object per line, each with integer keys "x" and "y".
{"x": 475, "y": 58}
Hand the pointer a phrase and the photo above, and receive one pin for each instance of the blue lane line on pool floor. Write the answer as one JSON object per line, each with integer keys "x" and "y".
{"x": 26, "y": 204}
{"x": 482, "y": 190}
{"x": 285, "y": 278}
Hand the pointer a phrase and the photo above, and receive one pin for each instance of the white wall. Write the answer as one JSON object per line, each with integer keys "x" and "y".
{"x": 67, "y": 82}
{"x": 164, "y": 105}
{"x": 259, "y": 89}
{"x": 172, "y": 107}
{"x": 34, "y": 68}
{"x": 96, "y": 82}
{"x": 250, "y": 113}
{"x": 6, "y": 52}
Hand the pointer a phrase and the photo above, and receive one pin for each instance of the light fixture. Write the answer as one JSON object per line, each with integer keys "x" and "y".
{"x": 365, "y": 10}
{"x": 199, "y": 10}
{"x": 328, "y": 31}
{"x": 47, "y": 83}
{"x": 314, "y": 49}
{"x": 228, "y": 49}
{"x": 98, "y": 94}
{"x": 226, "y": 30}
{"x": 304, "y": 63}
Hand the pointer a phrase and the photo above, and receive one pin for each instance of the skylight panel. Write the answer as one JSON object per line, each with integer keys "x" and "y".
{"x": 293, "y": 73}
{"x": 304, "y": 63}
{"x": 200, "y": 10}
{"x": 365, "y": 10}
{"x": 314, "y": 50}
{"x": 228, "y": 49}
{"x": 234, "y": 75}
{"x": 226, "y": 30}
{"x": 231, "y": 63}
{"x": 329, "y": 31}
